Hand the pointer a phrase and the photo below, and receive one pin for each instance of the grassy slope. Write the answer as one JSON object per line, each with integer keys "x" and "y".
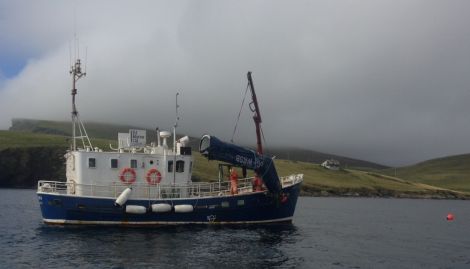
{"x": 449, "y": 172}
{"x": 12, "y": 139}
{"x": 321, "y": 181}
{"x": 9, "y": 139}
{"x": 355, "y": 182}
{"x": 99, "y": 130}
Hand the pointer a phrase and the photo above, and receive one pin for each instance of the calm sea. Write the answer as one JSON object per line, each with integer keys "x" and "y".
{"x": 326, "y": 233}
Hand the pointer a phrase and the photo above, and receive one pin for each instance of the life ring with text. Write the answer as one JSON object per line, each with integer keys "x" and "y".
{"x": 127, "y": 175}
{"x": 153, "y": 176}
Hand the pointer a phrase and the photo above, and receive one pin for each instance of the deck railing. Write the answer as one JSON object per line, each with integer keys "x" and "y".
{"x": 158, "y": 191}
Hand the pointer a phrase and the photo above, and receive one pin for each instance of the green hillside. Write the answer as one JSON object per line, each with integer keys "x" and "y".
{"x": 12, "y": 139}
{"x": 449, "y": 172}
{"x": 319, "y": 181}
{"x": 96, "y": 130}
{"x": 19, "y": 151}
{"x": 9, "y": 139}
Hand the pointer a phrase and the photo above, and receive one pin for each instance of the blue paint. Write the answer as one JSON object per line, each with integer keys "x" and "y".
{"x": 256, "y": 207}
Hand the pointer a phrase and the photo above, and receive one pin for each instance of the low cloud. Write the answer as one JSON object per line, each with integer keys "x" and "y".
{"x": 381, "y": 81}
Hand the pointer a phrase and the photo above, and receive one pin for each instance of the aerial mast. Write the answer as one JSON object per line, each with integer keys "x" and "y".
{"x": 174, "y": 137}
{"x": 76, "y": 72}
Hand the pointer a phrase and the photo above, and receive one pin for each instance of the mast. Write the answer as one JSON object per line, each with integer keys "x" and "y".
{"x": 174, "y": 138}
{"x": 257, "y": 116}
{"x": 76, "y": 72}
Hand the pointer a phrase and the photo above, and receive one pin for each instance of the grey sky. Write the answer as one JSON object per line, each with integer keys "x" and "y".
{"x": 385, "y": 81}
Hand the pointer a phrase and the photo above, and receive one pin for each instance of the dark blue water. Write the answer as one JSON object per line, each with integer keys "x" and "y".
{"x": 326, "y": 233}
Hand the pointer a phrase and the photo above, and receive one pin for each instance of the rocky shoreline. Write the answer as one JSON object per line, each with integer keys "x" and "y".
{"x": 382, "y": 193}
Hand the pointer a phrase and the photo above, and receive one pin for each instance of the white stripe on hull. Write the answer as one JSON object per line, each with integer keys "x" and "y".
{"x": 144, "y": 223}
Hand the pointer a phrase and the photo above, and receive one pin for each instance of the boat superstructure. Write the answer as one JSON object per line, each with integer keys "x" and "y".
{"x": 140, "y": 183}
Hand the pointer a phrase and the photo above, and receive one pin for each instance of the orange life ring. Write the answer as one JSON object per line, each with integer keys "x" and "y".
{"x": 153, "y": 176}
{"x": 127, "y": 175}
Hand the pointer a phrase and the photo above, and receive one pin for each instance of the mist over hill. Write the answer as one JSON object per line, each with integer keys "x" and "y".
{"x": 109, "y": 131}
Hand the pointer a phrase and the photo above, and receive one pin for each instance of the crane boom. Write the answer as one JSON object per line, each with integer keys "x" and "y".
{"x": 257, "y": 116}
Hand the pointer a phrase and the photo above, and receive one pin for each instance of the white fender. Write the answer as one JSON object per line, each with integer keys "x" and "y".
{"x": 184, "y": 208}
{"x": 122, "y": 198}
{"x": 135, "y": 209}
{"x": 160, "y": 208}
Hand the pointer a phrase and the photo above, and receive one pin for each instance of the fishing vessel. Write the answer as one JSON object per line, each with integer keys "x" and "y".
{"x": 140, "y": 183}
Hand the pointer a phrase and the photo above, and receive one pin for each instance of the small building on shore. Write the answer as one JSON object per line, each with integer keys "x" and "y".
{"x": 331, "y": 164}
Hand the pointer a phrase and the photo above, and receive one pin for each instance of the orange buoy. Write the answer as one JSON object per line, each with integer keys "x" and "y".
{"x": 450, "y": 217}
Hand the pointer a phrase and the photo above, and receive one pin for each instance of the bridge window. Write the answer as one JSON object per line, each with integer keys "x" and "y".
{"x": 114, "y": 163}
{"x": 152, "y": 162}
{"x": 179, "y": 166}
{"x": 170, "y": 166}
{"x": 91, "y": 163}
{"x": 133, "y": 163}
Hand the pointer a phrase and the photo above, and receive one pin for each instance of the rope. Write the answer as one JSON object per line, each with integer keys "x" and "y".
{"x": 239, "y": 113}
{"x": 264, "y": 140}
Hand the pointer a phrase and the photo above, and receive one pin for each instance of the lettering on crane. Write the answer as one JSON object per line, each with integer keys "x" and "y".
{"x": 248, "y": 162}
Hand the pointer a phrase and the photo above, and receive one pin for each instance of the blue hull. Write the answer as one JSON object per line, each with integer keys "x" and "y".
{"x": 257, "y": 207}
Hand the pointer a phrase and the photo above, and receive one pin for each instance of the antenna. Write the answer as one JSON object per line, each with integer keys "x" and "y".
{"x": 174, "y": 138}
{"x": 70, "y": 54}
{"x": 86, "y": 58}
{"x": 76, "y": 72}
{"x": 176, "y": 123}
{"x": 177, "y": 106}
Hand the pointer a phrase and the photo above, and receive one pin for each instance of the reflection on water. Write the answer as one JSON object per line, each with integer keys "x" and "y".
{"x": 185, "y": 246}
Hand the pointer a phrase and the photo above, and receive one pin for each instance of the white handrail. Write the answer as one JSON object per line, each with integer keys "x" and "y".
{"x": 157, "y": 191}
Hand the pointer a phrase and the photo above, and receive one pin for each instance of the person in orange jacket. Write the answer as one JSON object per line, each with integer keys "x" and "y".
{"x": 257, "y": 183}
{"x": 233, "y": 181}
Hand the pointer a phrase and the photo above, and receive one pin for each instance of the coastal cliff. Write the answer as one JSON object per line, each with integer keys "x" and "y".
{"x": 23, "y": 167}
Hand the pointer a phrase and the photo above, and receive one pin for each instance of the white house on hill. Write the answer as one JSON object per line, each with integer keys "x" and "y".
{"x": 331, "y": 164}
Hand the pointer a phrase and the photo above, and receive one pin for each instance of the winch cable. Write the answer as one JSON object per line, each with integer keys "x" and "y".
{"x": 239, "y": 113}
{"x": 264, "y": 139}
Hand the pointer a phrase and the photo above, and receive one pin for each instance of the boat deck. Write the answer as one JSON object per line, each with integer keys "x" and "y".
{"x": 157, "y": 191}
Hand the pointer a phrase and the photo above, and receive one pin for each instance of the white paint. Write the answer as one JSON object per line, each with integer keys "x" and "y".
{"x": 78, "y": 172}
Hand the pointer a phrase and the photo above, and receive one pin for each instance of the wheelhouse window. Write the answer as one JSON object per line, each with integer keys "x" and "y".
{"x": 133, "y": 163}
{"x": 190, "y": 167}
{"x": 170, "y": 166}
{"x": 154, "y": 162}
{"x": 179, "y": 166}
{"x": 114, "y": 163}
{"x": 91, "y": 163}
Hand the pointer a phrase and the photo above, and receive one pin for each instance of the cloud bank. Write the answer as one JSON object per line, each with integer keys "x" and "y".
{"x": 384, "y": 81}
